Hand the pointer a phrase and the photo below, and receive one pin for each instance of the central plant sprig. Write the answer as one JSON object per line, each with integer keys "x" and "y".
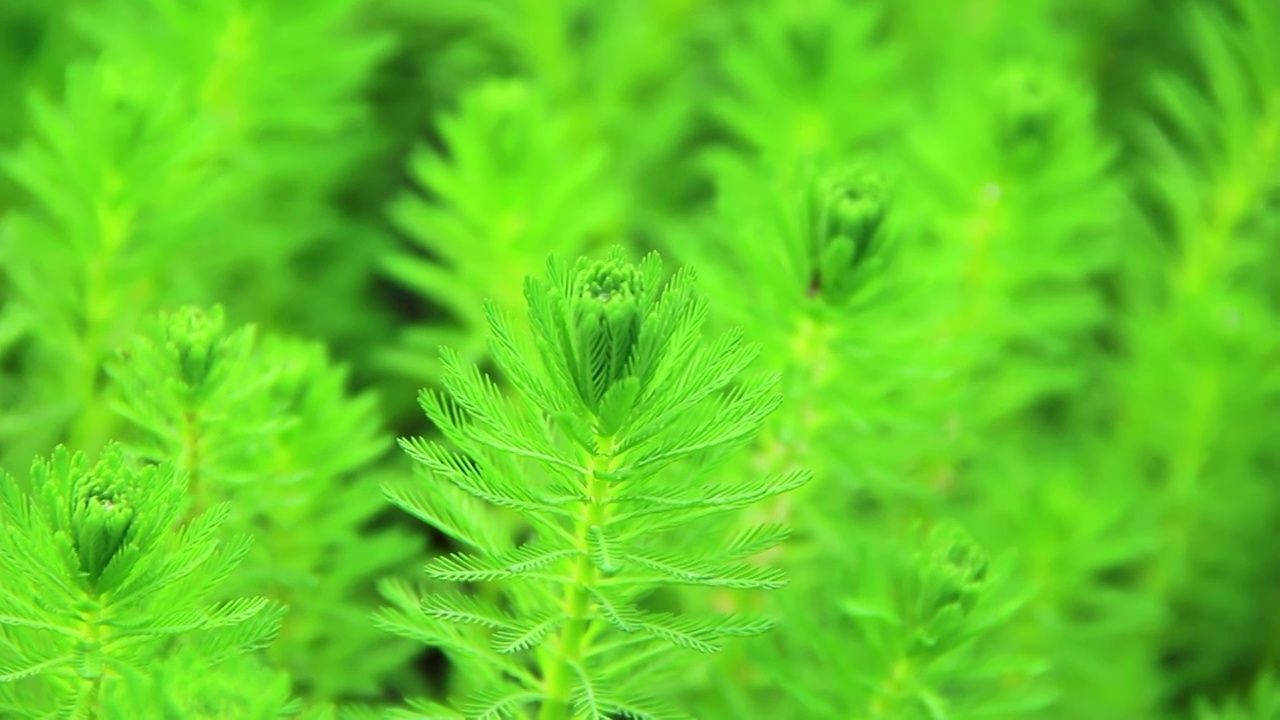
{"x": 608, "y": 453}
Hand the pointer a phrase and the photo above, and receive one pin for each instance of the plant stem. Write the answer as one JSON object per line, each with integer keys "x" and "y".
{"x": 92, "y": 664}
{"x": 190, "y": 459}
{"x": 578, "y": 605}
{"x": 93, "y": 423}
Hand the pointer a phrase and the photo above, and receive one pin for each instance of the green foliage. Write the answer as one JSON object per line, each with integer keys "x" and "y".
{"x": 79, "y": 271}
{"x": 1000, "y": 275}
{"x": 916, "y": 636}
{"x": 276, "y": 86}
{"x": 620, "y": 404}
{"x": 789, "y": 85}
{"x": 267, "y": 425}
{"x": 505, "y": 196}
{"x": 1263, "y": 702}
{"x": 168, "y": 171}
{"x": 1206, "y": 321}
{"x": 102, "y": 585}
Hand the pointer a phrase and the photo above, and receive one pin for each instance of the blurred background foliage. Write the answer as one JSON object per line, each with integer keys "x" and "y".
{"x": 1018, "y": 262}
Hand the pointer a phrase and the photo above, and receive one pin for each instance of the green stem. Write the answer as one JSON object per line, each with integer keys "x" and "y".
{"x": 547, "y": 46}
{"x": 92, "y": 663}
{"x": 786, "y": 443}
{"x": 578, "y": 605}
{"x": 190, "y": 459}
{"x": 92, "y": 424}
{"x": 884, "y": 700}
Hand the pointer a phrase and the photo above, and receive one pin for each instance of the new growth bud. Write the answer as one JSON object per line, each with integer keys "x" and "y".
{"x": 102, "y": 514}
{"x": 951, "y": 578}
{"x": 190, "y": 346}
{"x": 1030, "y": 103}
{"x": 959, "y": 570}
{"x": 850, "y": 206}
{"x": 194, "y": 334}
{"x": 605, "y": 320}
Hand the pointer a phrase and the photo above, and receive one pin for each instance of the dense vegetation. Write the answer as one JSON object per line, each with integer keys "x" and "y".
{"x": 836, "y": 359}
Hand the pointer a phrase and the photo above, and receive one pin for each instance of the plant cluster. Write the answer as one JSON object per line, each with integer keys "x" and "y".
{"x": 874, "y": 359}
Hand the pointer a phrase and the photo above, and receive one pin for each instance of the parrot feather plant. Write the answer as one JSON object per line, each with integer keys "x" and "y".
{"x": 1003, "y": 276}
{"x": 265, "y": 423}
{"x": 608, "y": 452}
{"x": 102, "y": 589}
